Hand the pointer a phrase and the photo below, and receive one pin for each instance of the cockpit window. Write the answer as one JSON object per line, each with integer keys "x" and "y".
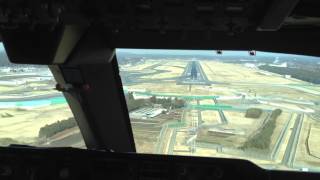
{"x": 259, "y": 106}
{"x": 32, "y": 112}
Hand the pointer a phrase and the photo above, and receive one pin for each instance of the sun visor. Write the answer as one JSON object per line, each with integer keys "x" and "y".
{"x": 40, "y": 46}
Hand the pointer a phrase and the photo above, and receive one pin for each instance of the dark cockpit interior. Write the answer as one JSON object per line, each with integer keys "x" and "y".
{"x": 159, "y": 89}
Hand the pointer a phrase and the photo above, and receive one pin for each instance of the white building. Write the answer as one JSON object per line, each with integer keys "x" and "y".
{"x": 285, "y": 64}
{"x": 145, "y": 113}
{"x": 250, "y": 65}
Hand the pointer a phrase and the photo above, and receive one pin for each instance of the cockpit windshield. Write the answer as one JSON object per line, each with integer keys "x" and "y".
{"x": 259, "y": 106}
{"x": 32, "y": 111}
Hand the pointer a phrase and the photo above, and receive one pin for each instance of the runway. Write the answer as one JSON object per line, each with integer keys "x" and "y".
{"x": 193, "y": 75}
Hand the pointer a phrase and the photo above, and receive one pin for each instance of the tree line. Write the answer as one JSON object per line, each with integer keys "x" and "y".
{"x": 262, "y": 139}
{"x": 173, "y": 103}
{"x": 298, "y": 73}
{"x": 51, "y": 129}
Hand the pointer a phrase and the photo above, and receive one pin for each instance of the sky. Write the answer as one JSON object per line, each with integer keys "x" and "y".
{"x": 181, "y": 52}
{"x": 200, "y": 52}
{"x": 192, "y": 52}
{"x": 1, "y": 47}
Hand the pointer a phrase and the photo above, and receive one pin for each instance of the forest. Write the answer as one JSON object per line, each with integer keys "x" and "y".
{"x": 298, "y": 73}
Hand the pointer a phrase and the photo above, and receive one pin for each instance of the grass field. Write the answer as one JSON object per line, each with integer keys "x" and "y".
{"x": 210, "y": 117}
{"x": 24, "y": 124}
{"x": 235, "y": 84}
{"x": 227, "y": 72}
{"x": 308, "y": 148}
{"x": 145, "y": 141}
{"x": 141, "y": 66}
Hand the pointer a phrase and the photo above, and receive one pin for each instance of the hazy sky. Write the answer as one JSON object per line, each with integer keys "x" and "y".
{"x": 1, "y": 47}
{"x": 191, "y": 52}
{"x": 199, "y": 52}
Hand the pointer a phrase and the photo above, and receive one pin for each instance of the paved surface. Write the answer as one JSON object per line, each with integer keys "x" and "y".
{"x": 186, "y": 77}
{"x": 280, "y": 140}
{"x": 291, "y": 149}
{"x": 221, "y": 114}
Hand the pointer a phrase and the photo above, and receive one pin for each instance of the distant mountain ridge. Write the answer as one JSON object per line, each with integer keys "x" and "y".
{"x": 124, "y": 56}
{"x": 128, "y": 56}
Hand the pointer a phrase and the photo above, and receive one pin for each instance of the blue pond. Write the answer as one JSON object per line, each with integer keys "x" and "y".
{"x": 34, "y": 103}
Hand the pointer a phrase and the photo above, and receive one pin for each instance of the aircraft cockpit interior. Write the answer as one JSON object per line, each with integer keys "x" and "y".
{"x": 159, "y": 89}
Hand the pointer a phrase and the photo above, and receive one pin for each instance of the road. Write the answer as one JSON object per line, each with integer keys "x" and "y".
{"x": 221, "y": 114}
{"x": 291, "y": 148}
{"x": 172, "y": 141}
{"x": 195, "y": 121}
{"x": 167, "y": 146}
{"x": 136, "y": 77}
{"x": 199, "y": 114}
{"x": 160, "y": 143}
{"x": 281, "y": 138}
